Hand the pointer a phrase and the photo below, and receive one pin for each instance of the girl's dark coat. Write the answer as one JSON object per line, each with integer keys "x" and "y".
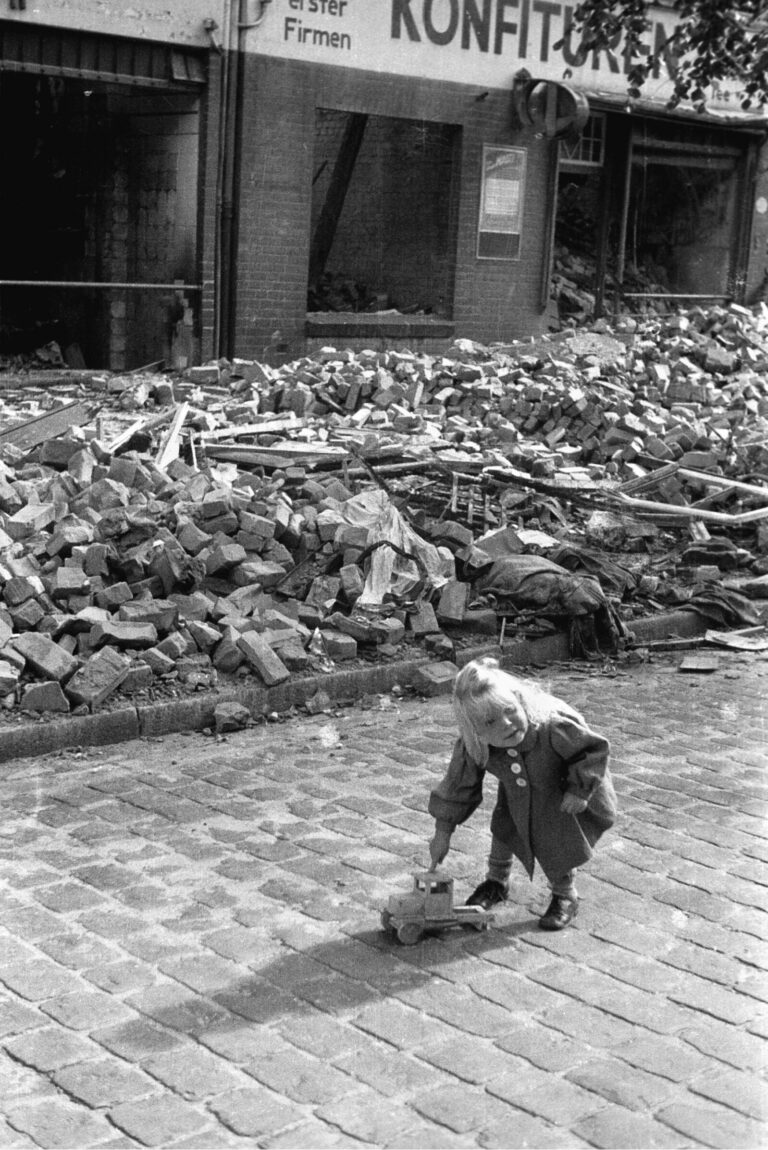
{"x": 558, "y": 755}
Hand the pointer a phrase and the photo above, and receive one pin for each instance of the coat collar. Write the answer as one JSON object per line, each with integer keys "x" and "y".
{"x": 528, "y": 743}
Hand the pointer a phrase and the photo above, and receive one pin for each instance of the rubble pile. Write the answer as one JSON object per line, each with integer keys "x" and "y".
{"x": 158, "y": 532}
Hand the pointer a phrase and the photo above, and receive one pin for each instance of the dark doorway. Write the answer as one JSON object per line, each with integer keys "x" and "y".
{"x": 100, "y": 187}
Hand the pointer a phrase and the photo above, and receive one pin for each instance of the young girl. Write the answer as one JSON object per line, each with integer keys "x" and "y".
{"x": 555, "y": 796}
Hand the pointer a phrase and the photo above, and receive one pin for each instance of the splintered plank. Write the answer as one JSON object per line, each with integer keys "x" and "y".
{"x": 48, "y": 426}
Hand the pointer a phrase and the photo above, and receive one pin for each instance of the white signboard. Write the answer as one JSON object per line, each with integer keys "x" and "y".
{"x": 478, "y": 42}
{"x": 175, "y": 21}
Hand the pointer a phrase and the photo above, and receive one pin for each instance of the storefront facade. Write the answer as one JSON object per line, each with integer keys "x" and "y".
{"x": 260, "y": 178}
{"x": 413, "y": 171}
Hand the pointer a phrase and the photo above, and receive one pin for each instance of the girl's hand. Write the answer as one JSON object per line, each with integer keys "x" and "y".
{"x": 572, "y": 805}
{"x": 439, "y": 846}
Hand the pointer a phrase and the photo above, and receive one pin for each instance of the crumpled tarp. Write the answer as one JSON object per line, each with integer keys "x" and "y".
{"x": 409, "y": 565}
{"x": 531, "y": 583}
{"x": 722, "y": 606}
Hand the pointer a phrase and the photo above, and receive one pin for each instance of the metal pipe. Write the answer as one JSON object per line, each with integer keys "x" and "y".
{"x": 670, "y": 295}
{"x": 99, "y": 284}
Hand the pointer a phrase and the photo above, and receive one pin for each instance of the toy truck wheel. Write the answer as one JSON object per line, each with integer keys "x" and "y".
{"x": 409, "y": 933}
{"x": 483, "y": 925}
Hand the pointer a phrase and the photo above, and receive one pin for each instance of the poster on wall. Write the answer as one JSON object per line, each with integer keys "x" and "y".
{"x": 501, "y": 203}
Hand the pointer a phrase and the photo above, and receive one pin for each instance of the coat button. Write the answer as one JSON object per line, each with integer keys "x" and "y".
{"x": 515, "y": 768}
{"x": 521, "y": 782}
{"x": 512, "y": 752}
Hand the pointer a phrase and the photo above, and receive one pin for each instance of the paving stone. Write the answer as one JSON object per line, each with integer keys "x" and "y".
{"x": 22, "y": 1082}
{"x": 252, "y": 1112}
{"x": 192, "y": 1073}
{"x": 545, "y": 1048}
{"x": 623, "y": 1085}
{"x": 367, "y": 1117}
{"x": 38, "y": 980}
{"x": 137, "y": 1039}
{"x": 615, "y": 1127}
{"x": 104, "y": 1082}
{"x": 725, "y": 1044}
{"x": 16, "y": 1017}
{"x": 668, "y": 1057}
{"x": 49, "y": 1048}
{"x": 60, "y": 1124}
{"x": 158, "y": 1121}
{"x": 743, "y": 1092}
{"x": 86, "y": 1011}
{"x": 712, "y": 1126}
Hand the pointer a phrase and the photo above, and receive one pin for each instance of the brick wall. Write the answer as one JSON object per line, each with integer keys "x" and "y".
{"x": 207, "y": 214}
{"x": 492, "y": 299}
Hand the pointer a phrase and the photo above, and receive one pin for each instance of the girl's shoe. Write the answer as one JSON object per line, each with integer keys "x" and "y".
{"x": 560, "y": 912}
{"x": 488, "y": 894}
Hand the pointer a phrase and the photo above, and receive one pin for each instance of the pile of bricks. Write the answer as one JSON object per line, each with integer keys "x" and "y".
{"x": 138, "y": 558}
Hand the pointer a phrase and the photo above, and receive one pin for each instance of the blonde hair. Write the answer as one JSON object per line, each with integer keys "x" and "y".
{"x": 482, "y": 691}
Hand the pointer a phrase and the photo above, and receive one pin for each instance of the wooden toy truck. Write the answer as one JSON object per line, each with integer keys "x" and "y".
{"x": 429, "y": 906}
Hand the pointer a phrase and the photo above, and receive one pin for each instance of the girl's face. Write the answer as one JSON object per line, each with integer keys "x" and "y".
{"x": 506, "y": 728}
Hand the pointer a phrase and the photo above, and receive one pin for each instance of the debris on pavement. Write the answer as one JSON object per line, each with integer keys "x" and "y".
{"x": 163, "y": 532}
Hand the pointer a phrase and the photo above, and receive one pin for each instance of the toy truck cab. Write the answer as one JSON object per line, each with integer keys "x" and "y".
{"x": 429, "y": 906}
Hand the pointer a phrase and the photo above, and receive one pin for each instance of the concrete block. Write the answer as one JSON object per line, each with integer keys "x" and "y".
{"x": 98, "y": 678}
{"x": 205, "y": 634}
{"x": 352, "y": 582}
{"x": 114, "y": 596}
{"x": 46, "y": 658}
{"x": 27, "y": 616}
{"x": 268, "y": 666}
{"x": 423, "y": 621}
{"x": 227, "y": 656}
{"x": 162, "y": 614}
{"x": 261, "y": 571}
{"x": 140, "y": 676}
{"x": 388, "y": 631}
{"x": 230, "y": 717}
{"x": 258, "y": 525}
{"x": 337, "y": 644}
{"x": 20, "y": 588}
{"x": 453, "y": 602}
{"x": 9, "y": 677}
{"x": 158, "y": 661}
{"x": 29, "y": 520}
{"x": 68, "y": 581}
{"x": 124, "y": 635}
{"x": 44, "y": 697}
{"x": 191, "y": 537}
{"x": 435, "y": 678}
{"x": 175, "y": 646}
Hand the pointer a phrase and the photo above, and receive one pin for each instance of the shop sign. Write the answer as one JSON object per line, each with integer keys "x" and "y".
{"x": 148, "y": 20}
{"x": 481, "y": 42}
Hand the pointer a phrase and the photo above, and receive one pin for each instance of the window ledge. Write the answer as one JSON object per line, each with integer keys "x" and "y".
{"x": 384, "y": 325}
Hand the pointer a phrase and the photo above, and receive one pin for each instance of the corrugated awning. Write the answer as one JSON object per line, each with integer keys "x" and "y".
{"x": 87, "y": 56}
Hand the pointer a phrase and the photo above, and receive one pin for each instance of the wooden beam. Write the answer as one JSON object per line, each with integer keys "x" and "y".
{"x": 328, "y": 220}
{"x": 48, "y": 426}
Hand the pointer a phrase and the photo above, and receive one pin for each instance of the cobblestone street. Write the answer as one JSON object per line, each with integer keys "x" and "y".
{"x": 191, "y": 953}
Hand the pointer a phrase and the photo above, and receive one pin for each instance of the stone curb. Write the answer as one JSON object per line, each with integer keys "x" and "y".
{"x": 197, "y": 712}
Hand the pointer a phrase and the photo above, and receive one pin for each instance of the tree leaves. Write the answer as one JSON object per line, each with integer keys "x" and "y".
{"x": 714, "y": 43}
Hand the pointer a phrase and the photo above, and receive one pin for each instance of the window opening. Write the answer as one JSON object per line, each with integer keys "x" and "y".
{"x": 588, "y": 149}
{"x": 383, "y": 216}
{"x": 658, "y": 222}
